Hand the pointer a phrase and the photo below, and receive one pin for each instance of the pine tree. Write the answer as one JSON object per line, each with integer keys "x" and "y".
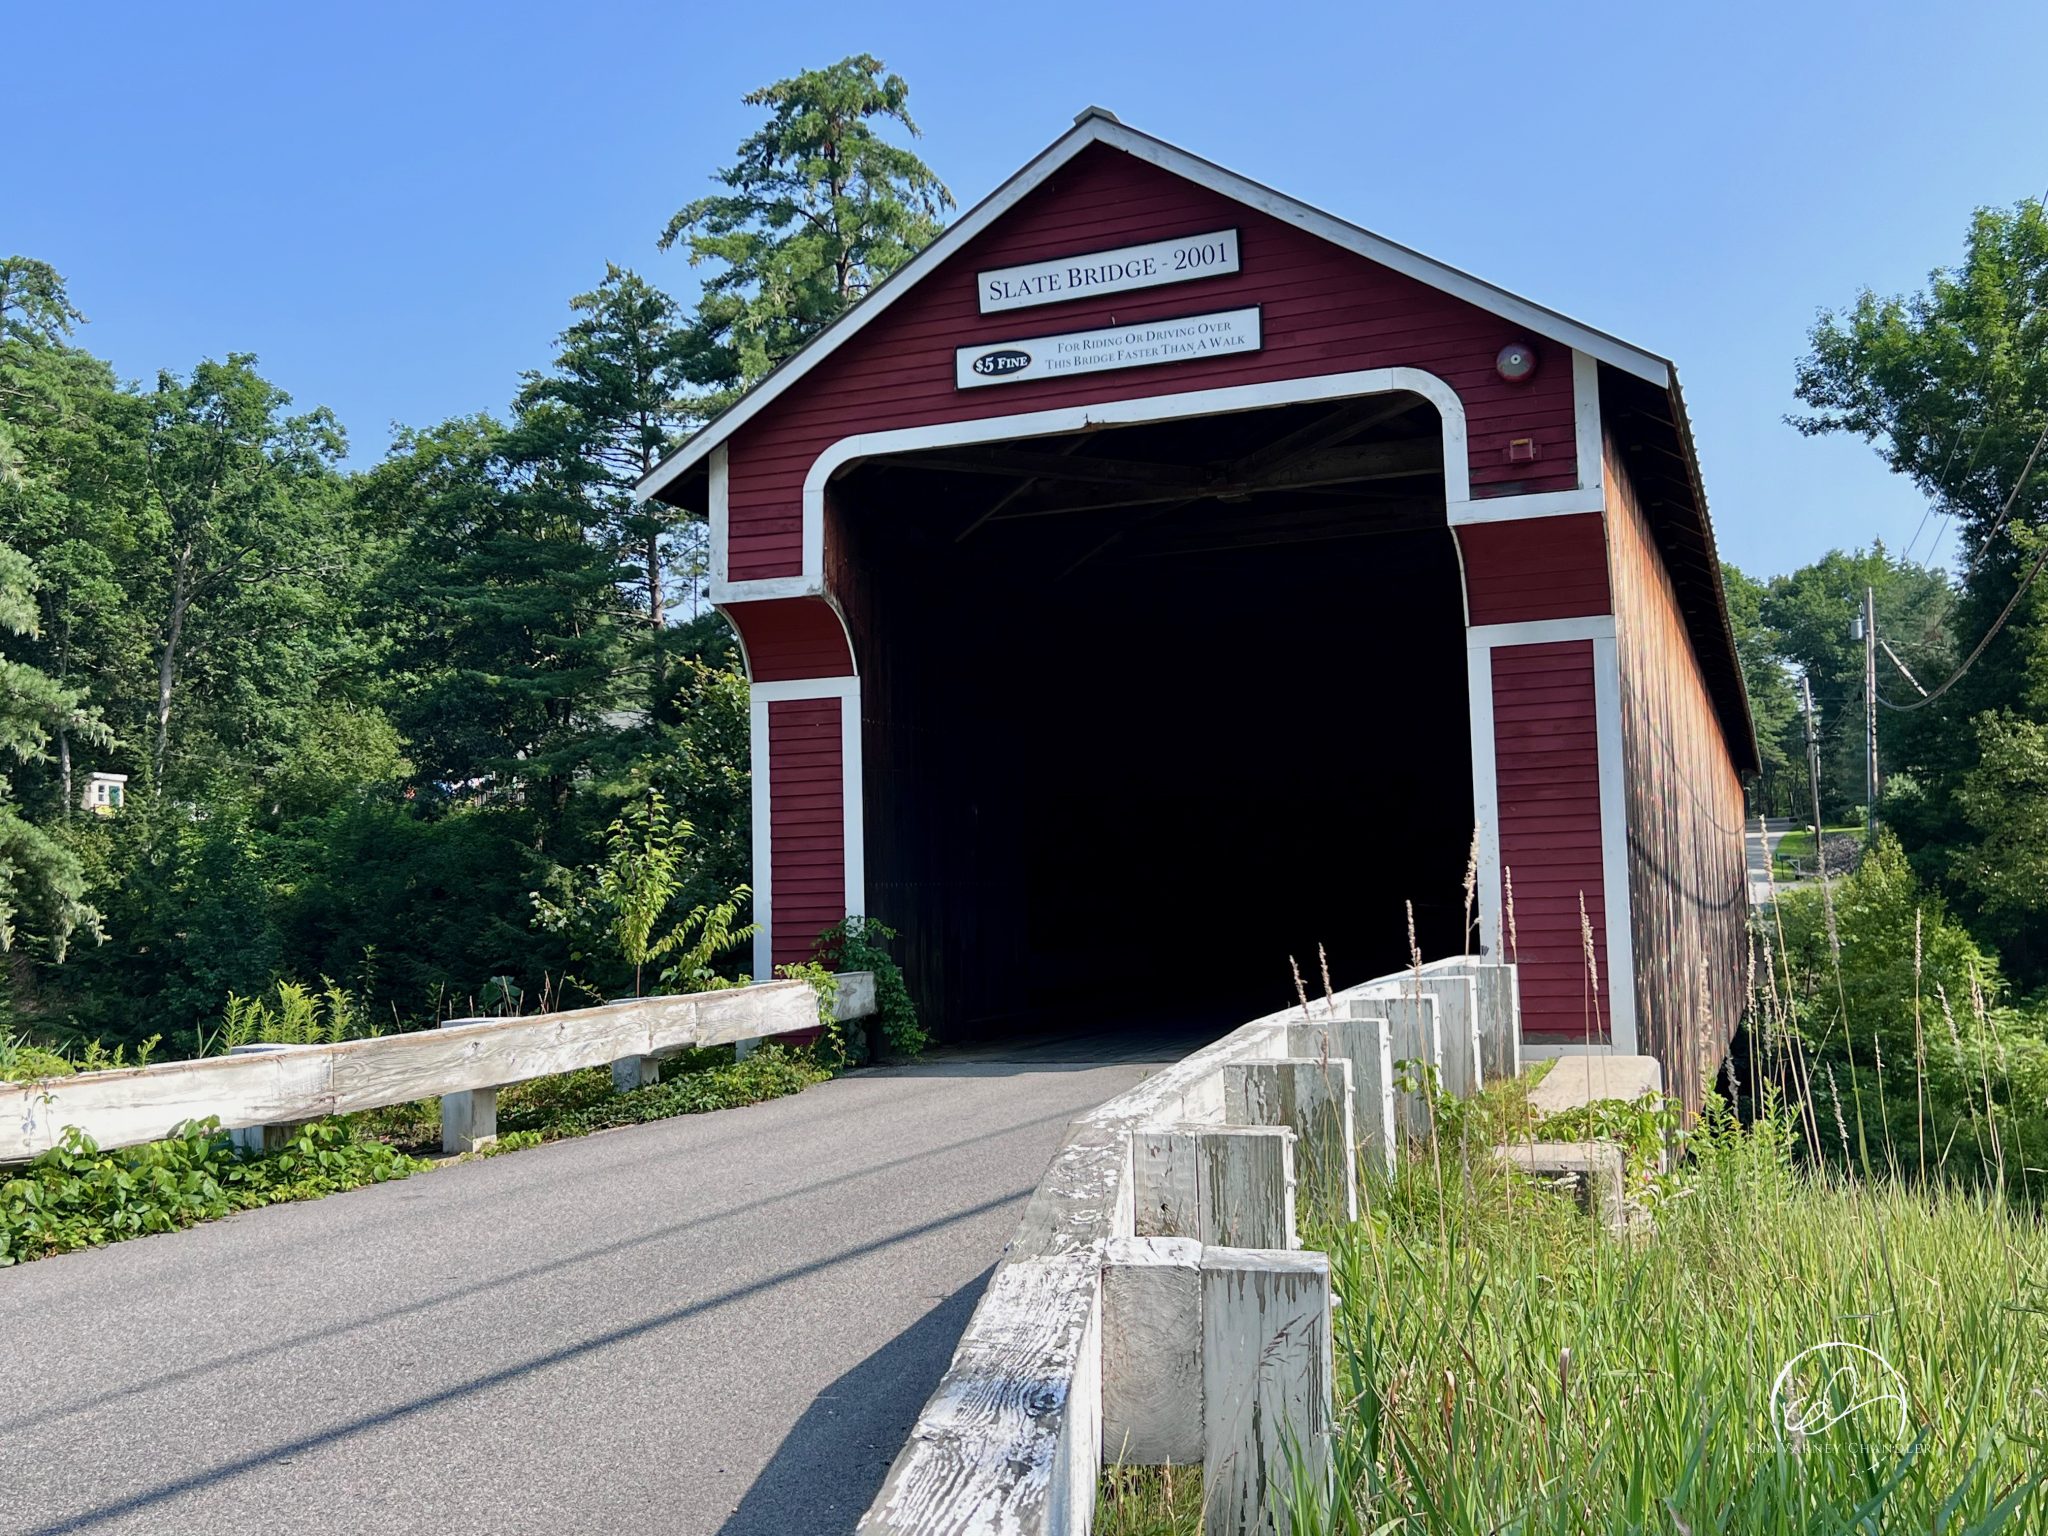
{"x": 819, "y": 208}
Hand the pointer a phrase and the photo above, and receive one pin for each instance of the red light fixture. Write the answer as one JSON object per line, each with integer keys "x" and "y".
{"x": 1516, "y": 363}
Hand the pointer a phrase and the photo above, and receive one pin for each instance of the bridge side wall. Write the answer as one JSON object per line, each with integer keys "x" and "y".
{"x": 1685, "y": 850}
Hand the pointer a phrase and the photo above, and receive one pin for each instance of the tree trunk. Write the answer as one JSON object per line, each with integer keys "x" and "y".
{"x": 167, "y": 664}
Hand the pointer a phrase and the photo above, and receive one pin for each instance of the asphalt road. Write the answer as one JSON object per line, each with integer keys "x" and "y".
{"x": 720, "y": 1323}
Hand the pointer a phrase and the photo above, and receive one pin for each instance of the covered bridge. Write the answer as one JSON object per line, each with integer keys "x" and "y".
{"x": 1159, "y": 576}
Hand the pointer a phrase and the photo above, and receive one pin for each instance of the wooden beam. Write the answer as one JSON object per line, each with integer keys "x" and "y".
{"x": 1266, "y": 1382}
{"x": 1339, "y": 466}
{"x": 1326, "y": 431}
{"x": 1050, "y": 466}
{"x": 1152, "y": 1352}
{"x": 464, "y": 1056}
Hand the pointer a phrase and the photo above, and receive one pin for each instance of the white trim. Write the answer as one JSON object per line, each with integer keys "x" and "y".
{"x": 1550, "y": 1050}
{"x": 853, "y": 837}
{"x": 807, "y": 688}
{"x": 1481, "y": 641}
{"x": 763, "y": 589}
{"x": 1615, "y": 895}
{"x": 1485, "y": 796}
{"x": 718, "y": 513}
{"x": 853, "y": 823}
{"x": 1586, "y": 421}
{"x": 1080, "y": 418}
{"x": 1594, "y": 626}
{"x": 763, "y": 838}
{"x": 1514, "y": 509}
{"x": 1094, "y": 128}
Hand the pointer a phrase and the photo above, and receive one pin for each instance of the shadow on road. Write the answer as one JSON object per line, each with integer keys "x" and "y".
{"x": 827, "y": 1470}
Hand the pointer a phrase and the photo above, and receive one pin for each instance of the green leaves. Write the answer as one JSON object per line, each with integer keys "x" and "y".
{"x": 819, "y": 208}
{"x": 76, "y": 1196}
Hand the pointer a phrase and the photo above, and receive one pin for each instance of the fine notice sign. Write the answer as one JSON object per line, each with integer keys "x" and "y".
{"x": 1132, "y": 266}
{"x": 1121, "y": 346}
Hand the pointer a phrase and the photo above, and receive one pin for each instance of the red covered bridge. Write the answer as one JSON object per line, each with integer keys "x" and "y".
{"x": 1158, "y": 576}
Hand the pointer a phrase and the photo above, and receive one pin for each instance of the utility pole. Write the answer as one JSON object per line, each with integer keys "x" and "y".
{"x": 1812, "y": 761}
{"x": 1869, "y": 716}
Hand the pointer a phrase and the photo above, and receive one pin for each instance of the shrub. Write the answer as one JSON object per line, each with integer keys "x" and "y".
{"x": 77, "y": 1196}
{"x": 857, "y": 944}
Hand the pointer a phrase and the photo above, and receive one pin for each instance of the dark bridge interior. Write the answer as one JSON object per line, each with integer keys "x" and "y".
{"x": 1149, "y": 709}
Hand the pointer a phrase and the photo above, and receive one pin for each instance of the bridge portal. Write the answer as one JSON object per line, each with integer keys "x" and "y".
{"x": 1159, "y": 576}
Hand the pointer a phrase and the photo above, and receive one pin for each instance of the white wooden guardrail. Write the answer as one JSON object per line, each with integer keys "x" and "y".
{"x": 1155, "y": 1305}
{"x": 465, "y": 1062}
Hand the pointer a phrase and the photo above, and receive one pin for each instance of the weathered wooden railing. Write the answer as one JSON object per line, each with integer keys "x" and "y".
{"x": 1155, "y": 1305}
{"x": 465, "y": 1063}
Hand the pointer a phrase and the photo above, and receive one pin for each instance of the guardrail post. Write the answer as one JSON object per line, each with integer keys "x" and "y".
{"x": 1366, "y": 1045}
{"x": 1413, "y": 1037}
{"x": 632, "y": 1072}
{"x": 1266, "y": 1383}
{"x": 1233, "y": 1185}
{"x": 469, "y": 1118}
{"x": 1311, "y": 1096}
{"x": 1499, "y": 1013}
{"x": 1152, "y": 1351}
{"x": 1457, "y": 1017}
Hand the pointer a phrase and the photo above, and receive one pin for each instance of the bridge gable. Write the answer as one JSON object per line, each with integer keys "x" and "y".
{"x": 1323, "y": 309}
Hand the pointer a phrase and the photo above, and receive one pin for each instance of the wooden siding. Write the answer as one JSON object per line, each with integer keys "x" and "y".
{"x": 1687, "y": 879}
{"x": 1538, "y": 568}
{"x": 791, "y": 638}
{"x": 1547, "y": 775}
{"x": 1325, "y": 310}
{"x": 806, "y": 791}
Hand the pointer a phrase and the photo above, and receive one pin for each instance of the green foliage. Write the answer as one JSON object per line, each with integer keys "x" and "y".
{"x": 818, "y": 208}
{"x": 1773, "y": 703}
{"x": 297, "y": 1016}
{"x": 824, "y": 982}
{"x": 1950, "y": 385}
{"x": 857, "y": 944}
{"x": 619, "y": 905}
{"x": 22, "y": 1060}
{"x": 1916, "y": 1060}
{"x": 41, "y": 878}
{"x": 76, "y": 1196}
{"x": 701, "y": 1082}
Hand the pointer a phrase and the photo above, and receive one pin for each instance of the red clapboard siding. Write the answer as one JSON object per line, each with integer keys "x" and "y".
{"x": 1537, "y": 568}
{"x": 807, "y": 825}
{"x": 1326, "y": 310}
{"x": 1547, "y": 775}
{"x": 791, "y": 638}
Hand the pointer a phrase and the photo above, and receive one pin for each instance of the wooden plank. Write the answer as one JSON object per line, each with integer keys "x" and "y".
{"x": 1418, "y": 1055}
{"x": 1266, "y": 1383}
{"x": 1246, "y": 1187}
{"x": 1312, "y": 1096}
{"x": 1011, "y": 1440}
{"x": 1499, "y": 1012}
{"x": 1166, "y": 1181}
{"x": 1152, "y": 1352}
{"x": 270, "y": 1088}
{"x": 1366, "y": 1046}
{"x": 1457, "y": 1014}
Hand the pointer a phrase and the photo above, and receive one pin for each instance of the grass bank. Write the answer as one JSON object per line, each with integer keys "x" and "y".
{"x": 1505, "y": 1366}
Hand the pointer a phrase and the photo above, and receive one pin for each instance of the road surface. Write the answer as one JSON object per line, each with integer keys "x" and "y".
{"x": 1761, "y": 845}
{"x": 720, "y": 1323}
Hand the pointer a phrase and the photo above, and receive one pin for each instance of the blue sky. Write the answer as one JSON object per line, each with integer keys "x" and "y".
{"x": 390, "y": 204}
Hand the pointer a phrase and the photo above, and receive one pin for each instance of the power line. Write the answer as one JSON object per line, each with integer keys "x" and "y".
{"x": 1971, "y": 660}
{"x": 2021, "y": 591}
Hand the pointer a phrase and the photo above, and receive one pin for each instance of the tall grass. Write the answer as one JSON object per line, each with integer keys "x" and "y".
{"x": 1506, "y": 1365}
